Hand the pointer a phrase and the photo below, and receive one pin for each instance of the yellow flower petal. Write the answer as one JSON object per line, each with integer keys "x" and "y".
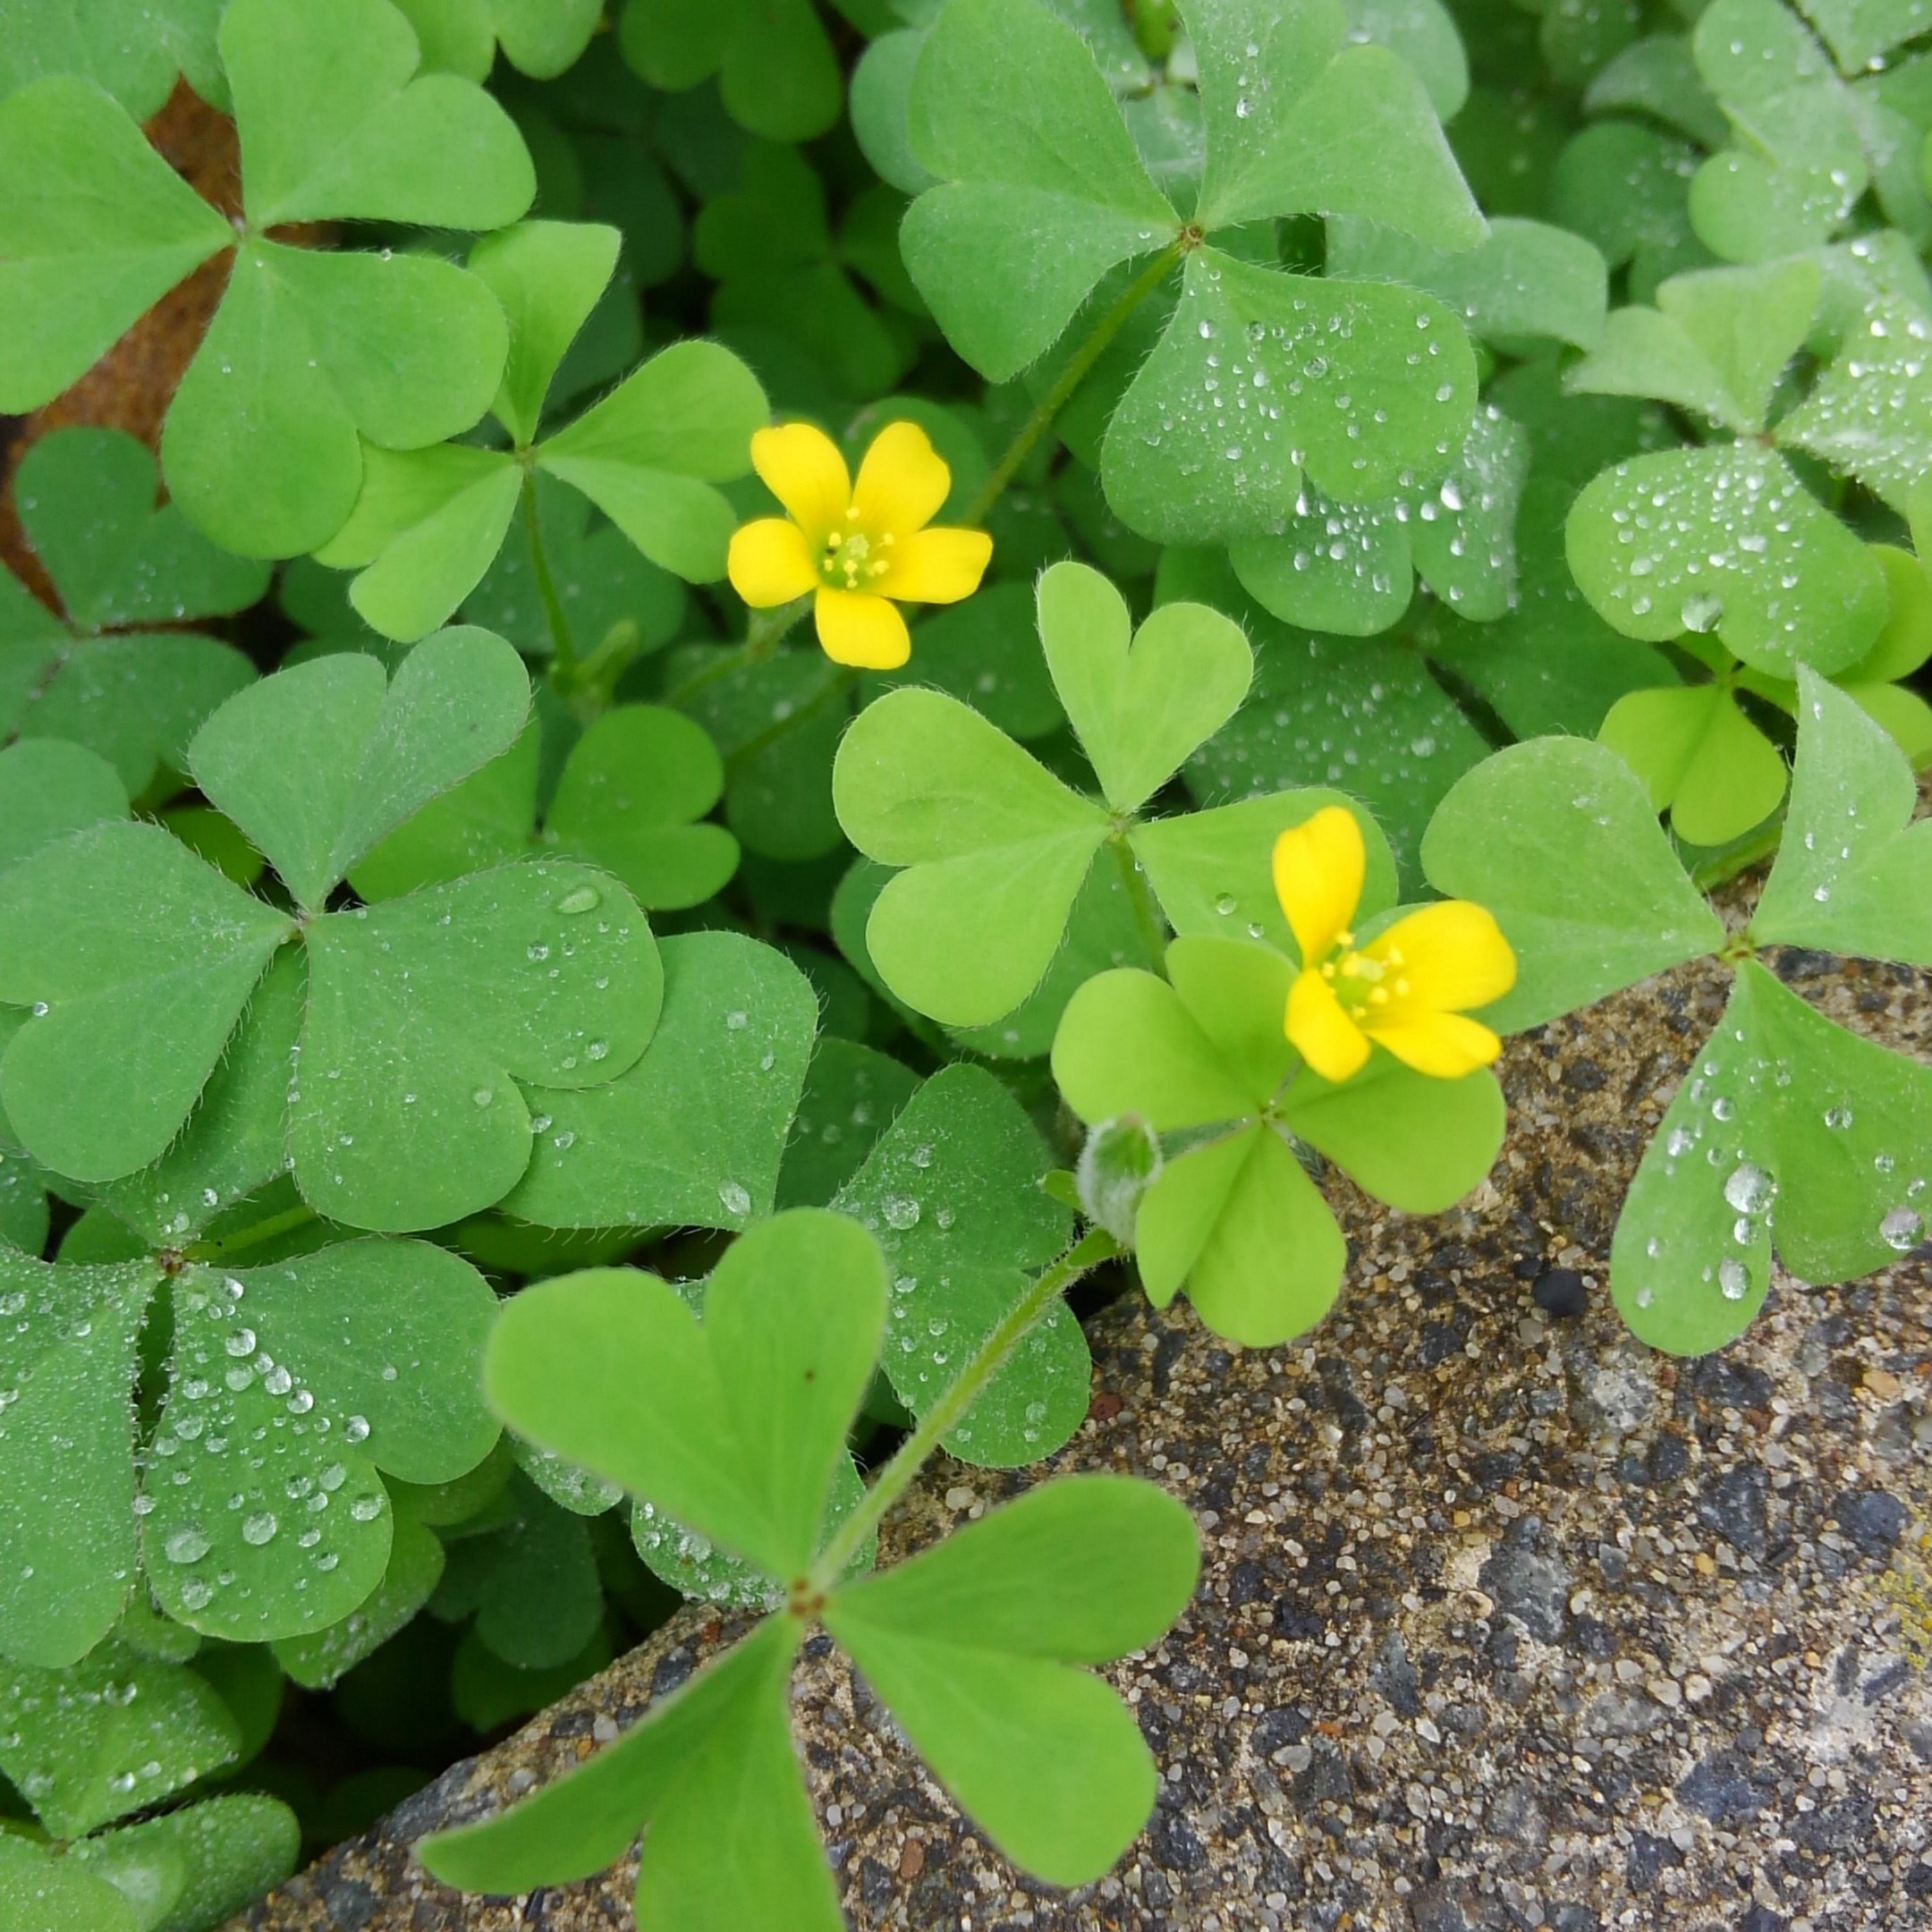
{"x": 1320, "y": 1031}
{"x": 801, "y": 467}
{"x": 902, "y": 481}
{"x": 1453, "y": 956}
{"x": 1445, "y": 1045}
{"x": 1318, "y": 869}
{"x": 937, "y": 566}
{"x": 857, "y": 628}
{"x": 771, "y": 563}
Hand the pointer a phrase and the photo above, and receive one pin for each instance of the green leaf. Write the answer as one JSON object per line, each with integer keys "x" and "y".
{"x": 1139, "y": 701}
{"x": 1297, "y": 122}
{"x": 1704, "y": 540}
{"x": 209, "y": 1861}
{"x": 952, "y": 1193}
{"x": 1870, "y": 411}
{"x": 317, "y": 763}
{"x": 424, "y": 1014}
{"x": 107, "y": 1737}
{"x": 778, "y": 75}
{"x": 319, "y": 1659}
{"x": 530, "y": 1581}
{"x": 970, "y": 1643}
{"x": 97, "y": 227}
{"x": 1524, "y": 279}
{"x": 1241, "y": 1224}
{"x": 1041, "y": 189}
{"x": 711, "y": 1775}
{"x": 1558, "y": 839}
{"x": 67, "y": 1356}
{"x": 56, "y": 1894}
{"x": 329, "y": 138}
{"x": 694, "y": 1132}
{"x": 261, "y": 448}
{"x": 361, "y": 1357}
{"x": 1626, "y": 188}
{"x": 852, "y": 1094}
{"x": 1853, "y": 872}
{"x": 549, "y": 277}
{"x": 733, "y": 1427}
{"x": 86, "y": 499}
{"x": 649, "y": 453}
{"x": 997, "y": 849}
{"x": 139, "y": 960}
{"x": 1790, "y": 1128}
{"x": 1701, "y": 759}
{"x": 1366, "y": 381}
{"x": 115, "y": 43}
{"x": 49, "y": 789}
{"x": 1716, "y": 343}
{"x": 985, "y": 653}
{"x": 1418, "y": 1143}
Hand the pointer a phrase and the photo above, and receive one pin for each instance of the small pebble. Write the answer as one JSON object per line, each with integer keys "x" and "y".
{"x": 1559, "y": 1292}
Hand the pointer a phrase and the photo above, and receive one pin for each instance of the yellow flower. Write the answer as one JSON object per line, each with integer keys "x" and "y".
{"x": 855, "y": 544}
{"x": 1407, "y": 989}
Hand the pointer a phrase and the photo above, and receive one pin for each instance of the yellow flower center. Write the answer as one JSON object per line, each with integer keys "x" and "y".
{"x": 849, "y": 561}
{"x": 1360, "y": 978}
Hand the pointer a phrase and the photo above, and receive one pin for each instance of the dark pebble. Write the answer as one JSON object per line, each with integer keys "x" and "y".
{"x": 1559, "y": 1292}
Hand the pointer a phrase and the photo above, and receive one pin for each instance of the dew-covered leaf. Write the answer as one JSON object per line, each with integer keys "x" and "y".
{"x": 55, "y": 1894}
{"x": 198, "y": 1866}
{"x": 972, "y": 1645}
{"x": 952, "y": 1192}
{"x": 1558, "y": 839}
{"x": 1869, "y": 413}
{"x": 852, "y": 1094}
{"x": 137, "y": 960}
{"x": 361, "y": 1357}
{"x": 108, "y": 1736}
{"x": 776, "y": 73}
{"x": 49, "y": 789}
{"x": 529, "y": 1579}
{"x": 694, "y": 1132}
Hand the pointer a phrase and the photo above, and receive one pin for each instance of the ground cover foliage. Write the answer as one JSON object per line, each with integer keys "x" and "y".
{"x": 791, "y": 685}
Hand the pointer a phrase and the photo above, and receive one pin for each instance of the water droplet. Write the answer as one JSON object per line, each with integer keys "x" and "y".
{"x": 900, "y": 1211}
{"x": 1901, "y": 1229}
{"x": 1733, "y": 1279}
{"x": 259, "y": 1529}
{"x": 735, "y": 1201}
{"x": 186, "y": 1545}
{"x": 1750, "y": 1189}
{"x": 583, "y": 899}
{"x": 1838, "y": 1117}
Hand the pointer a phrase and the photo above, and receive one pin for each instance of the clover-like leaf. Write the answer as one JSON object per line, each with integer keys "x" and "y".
{"x": 1559, "y": 840}
{"x": 49, "y": 788}
{"x": 973, "y": 1646}
{"x": 529, "y": 1580}
{"x": 630, "y": 798}
{"x": 1140, "y": 702}
{"x": 694, "y": 1133}
{"x": 108, "y": 1736}
{"x": 776, "y": 73}
{"x": 952, "y": 1192}
{"x": 1853, "y": 873}
{"x": 538, "y": 37}
{"x": 852, "y": 1094}
{"x": 55, "y": 1894}
{"x": 1700, "y": 756}
{"x": 317, "y": 763}
{"x": 1870, "y": 411}
{"x": 1788, "y": 1130}
{"x": 734, "y": 1426}
{"x": 129, "y": 48}
{"x": 197, "y": 1866}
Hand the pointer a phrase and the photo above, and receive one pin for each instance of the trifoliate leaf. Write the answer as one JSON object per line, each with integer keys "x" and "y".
{"x": 540, "y": 38}
{"x": 1141, "y": 701}
{"x": 1853, "y": 873}
{"x": 119, "y": 45}
{"x": 972, "y": 1645}
{"x": 985, "y": 652}
{"x": 1627, "y": 188}
{"x": 1559, "y": 840}
{"x": 529, "y": 1579}
{"x": 317, "y": 763}
{"x": 1788, "y": 1129}
{"x": 1727, "y": 539}
{"x": 777, "y": 76}
{"x": 137, "y": 960}
{"x": 199, "y": 1866}
{"x": 952, "y": 1192}
{"x": 852, "y": 1094}
{"x": 108, "y": 1736}
{"x": 711, "y": 1775}
{"x": 56, "y": 1894}
{"x": 549, "y": 277}
{"x": 732, "y": 1427}
{"x": 360, "y": 1357}
{"x": 49, "y": 789}
{"x": 1869, "y": 411}
{"x": 694, "y": 1133}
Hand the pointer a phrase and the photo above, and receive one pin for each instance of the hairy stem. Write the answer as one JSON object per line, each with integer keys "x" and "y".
{"x": 763, "y": 635}
{"x": 938, "y": 1421}
{"x": 1153, "y": 936}
{"x": 252, "y": 1236}
{"x": 1071, "y": 378}
{"x": 563, "y": 659}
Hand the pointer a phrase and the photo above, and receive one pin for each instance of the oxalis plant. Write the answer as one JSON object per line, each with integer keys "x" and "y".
{"x": 693, "y": 776}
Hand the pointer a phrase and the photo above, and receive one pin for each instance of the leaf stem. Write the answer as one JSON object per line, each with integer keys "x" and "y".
{"x": 1141, "y": 900}
{"x": 938, "y": 1421}
{"x": 563, "y": 659}
{"x": 1071, "y": 378}
{"x": 763, "y": 635}
{"x": 253, "y": 1236}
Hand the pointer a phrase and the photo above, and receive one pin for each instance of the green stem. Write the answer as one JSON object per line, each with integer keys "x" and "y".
{"x": 564, "y": 660}
{"x": 243, "y": 1239}
{"x": 838, "y": 686}
{"x": 1133, "y": 880}
{"x": 763, "y": 635}
{"x": 1071, "y": 378}
{"x": 939, "y": 1421}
